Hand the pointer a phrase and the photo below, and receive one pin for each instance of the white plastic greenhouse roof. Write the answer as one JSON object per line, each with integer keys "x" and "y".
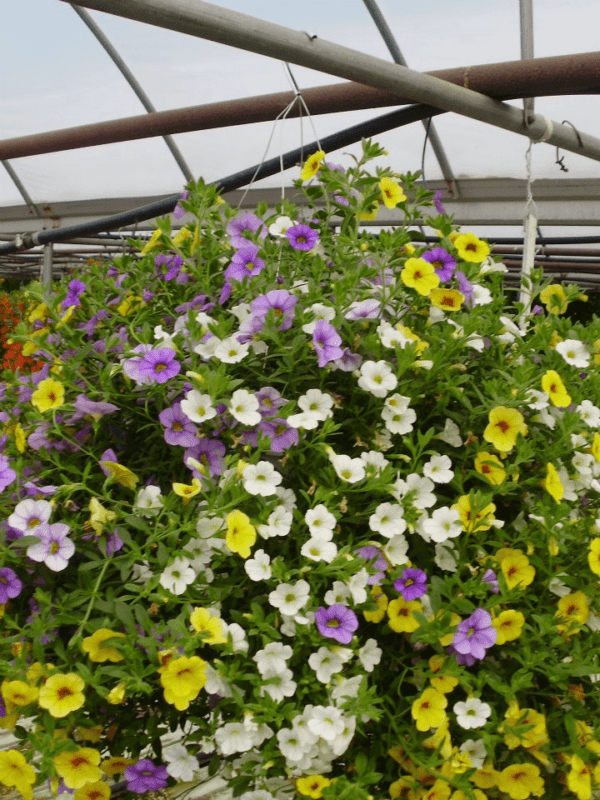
{"x": 57, "y": 75}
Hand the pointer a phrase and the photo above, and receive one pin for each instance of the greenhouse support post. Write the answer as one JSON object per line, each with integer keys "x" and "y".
{"x": 46, "y": 274}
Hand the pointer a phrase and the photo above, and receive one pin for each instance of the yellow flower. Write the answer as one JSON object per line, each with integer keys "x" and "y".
{"x": 554, "y": 298}
{"x": 401, "y": 788}
{"x": 92, "y": 645}
{"x": 62, "y": 694}
{"x": 505, "y": 424}
{"x": 470, "y": 248}
{"x": 552, "y": 483}
{"x": 520, "y": 780}
{"x": 486, "y": 777}
{"x": 594, "y": 556}
{"x": 312, "y": 785}
{"x": 115, "y": 765}
{"x": 99, "y": 516}
{"x": 391, "y": 193}
{"x": 555, "y": 389}
{"x": 187, "y": 491}
{"x": 439, "y": 791}
{"x": 312, "y": 165}
{"x": 97, "y": 790}
{"x": 15, "y": 771}
{"x": 371, "y": 214}
{"x": 596, "y": 446}
{"x": 517, "y": 570}
{"x": 490, "y": 467}
{"x": 447, "y": 299}
{"x": 516, "y": 719}
{"x": 39, "y": 313}
{"x": 18, "y": 693}
{"x": 20, "y": 440}
{"x": 182, "y": 680}
{"x": 78, "y": 767}
{"x": 440, "y": 739}
{"x": 480, "y": 521}
{"x": 48, "y": 395}
{"x": 121, "y": 474}
{"x": 443, "y": 683}
{"x": 420, "y": 275}
{"x": 241, "y": 535}
{"x": 152, "y": 242}
{"x": 181, "y": 237}
{"x": 573, "y": 610}
{"x": 116, "y": 694}
{"x": 579, "y": 779}
{"x": 509, "y": 625}
{"x": 89, "y": 734}
{"x": 401, "y": 614}
{"x": 408, "y": 334}
{"x": 382, "y": 603}
{"x": 204, "y": 622}
{"x": 585, "y": 736}
{"x": 428, "y": 710}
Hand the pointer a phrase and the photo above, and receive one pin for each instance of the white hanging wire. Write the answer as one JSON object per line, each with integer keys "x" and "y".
{"x": 530, "y": 224}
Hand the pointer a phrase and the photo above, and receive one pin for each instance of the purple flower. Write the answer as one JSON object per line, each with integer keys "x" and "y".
{"x": 179, "y": 430}
{"x": 244, "y": 264}
{"x": 412, "y": 584}
{"x": 376, "y": 561}
{"x": 110, "y": 456}
{"x": 444, "y": 263}
{"x": 336, "y": 622}
{"x": 173, "y": 263}
{"x": 158, "y": 366}
{"x": 76, "y": 289}
{"x": 348, "y": 361}
{"x": 490, "y": 577}
{"x": 281, "y": 302}
{"x": 364, "y": 309}
{"x": 54, "y": 547}
{"x": 282, "y": 435}
{"x": 437, "y": 202}
{"x": 10, "y": 585}
{"x": 466, "y": 287}
{"x": 327, "y": 342}
{"x": 475, "y": 634}
{"x": 145, "y": 777}
{"x": 247, "y": 222}
{"x": 7, "y": 474}
{"x": 302, "y": 237}
{"x": 178, "y": 211}
{"x": 210, "y": 453}
{"x": 270, "y": 401}
{"x": 87, "y": 407}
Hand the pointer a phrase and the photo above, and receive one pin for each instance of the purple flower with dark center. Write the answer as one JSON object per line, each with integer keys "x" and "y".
{"x": 442, "y": 261}
{"x": 327, "y": 342}
{"x": 7, "y": 474}
{"x": 54, "y": 547}
{"x": 250, "y": 328}
{"x": 302, "y": 237}
{"x": 412, "y": 584}
{"x": 280, "y": 302}
{"x": 282, "y": 435}
{"x": 466, "y": 287}
{"x": 348, "y": 361}
{"x": 210, "y": 453}
{"x": 131, "y": 367}
{"x": 475, "y": 634}
{"x": 145, "y": 777}
{"x": 10, "y": 585}
{"x": 76, "y": 289}
{"x": 86, "y": 407}
{"x": 179, "y": 430}
{"x": 159, "y": 366}
{"x": 244, "y": 264}
{"x": 490, "y": 577}
{"x": 437, "y": 202}
{"x": 173, "y": 263}
{"x": 247, "y": 222}
{"x": 178, "y": 211}
{"x": 376, "y": 561}
{"x": 270, "y": 401}
{"x": 336, "y": 622}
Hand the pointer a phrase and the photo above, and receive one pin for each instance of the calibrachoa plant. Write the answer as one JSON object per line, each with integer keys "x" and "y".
{"x": 319, "y": 504}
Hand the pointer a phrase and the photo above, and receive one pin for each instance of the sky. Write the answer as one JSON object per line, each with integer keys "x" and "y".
{"x": 55, "y": 75}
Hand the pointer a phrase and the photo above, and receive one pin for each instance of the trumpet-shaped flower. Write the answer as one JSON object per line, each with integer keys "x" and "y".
{"x": 202, "y": 621}
{"x": 520, "y": 781}
{"x": 312, "y": 165}
{"x": 447, "y": 299}
{"x": 472, "y": 713}
{"x": 62, "y": 694}
{"x": 420, "y": 275}
{"x": 573, "y": 611}
{"x": 470, "y": 248}
{"x": 336, "y": 622}
{"x": 475, "y": 635}
{"x": 490, "y": 467}
{"x": 579, "y": 779}
{"x": 391, "y": 192}
{"x": 145, "y": 776}
{"x": 182, "y": 680}
{"x": 517, "y": 570}
{"x": 509, "y": 625}
{"x": 50, "y": 394}
{"x": 241, "y": 534}
{"x": 428, "y": 710}
{"x": 94, "y": 646}
{"x": 401, "y": 615}
{"x": 54, "y": 547}
{"x": 505, "y": 424}
{"x": 555, "y": 389}
{"x": 554, "y": 298}
{"x": 15, "y": 771}
{"x": 552, "y": 483}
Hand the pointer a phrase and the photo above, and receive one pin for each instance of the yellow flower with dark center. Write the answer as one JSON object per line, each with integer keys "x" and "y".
{"x": 439, "y": 791}
{"x": 93, "y": 646}
{"x": 97, "y": 790}
{"x": 552, "y": 484}
{"x": 509, "y": 625}
{"x": 78, "y": 767}
{"x": 470, "y": 248}
{"x": 428, "y": 710}
{"x": 444, "y": 683}
{"x": 115, "y": 765}
{"x": 523, "y": 727}
{"x": 18, "y": 693}
{"x": 401, "y": 615}
{"x": 312, "y": 785}
{"x": 521, "y": 780}
{"x": 391, "y": 192}
{"x": 573, "y": 611}
{"x": 62, "y": 694}
{"x": 241, "y": 534}
{"x": 15, "y": 771}
{"x": 594, "y": 556}
{"x": 579, "y": 779}
{"x": 186, "y": 490}
{"x": 203, "y": 621}
{"x": 490, "y": 467}
{"x": 312, "y": 165}
{"x": 471, "y": 520}
{"x": 486, "y": 777}
{"x": 121, "y": 474}
{"x": 517, "y": 571}
{"x": 440, "y": 738}
{"x": 447, "y": 299}
{"x": 400, "y": 789}
{"x": 554, "y": 298}
{"x": 555, "y": 389}
{"x": 382, "y": 603}
{"x": 49, "y": 394}
{"x": 182, "y": 680}
{"x": 505, "y": 424}
{"x": 420, "y": 275}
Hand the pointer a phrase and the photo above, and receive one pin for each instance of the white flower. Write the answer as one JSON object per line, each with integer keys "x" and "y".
{"x": 207, "y": 348}
{"x": 166, "y": 339}
{"x": 358, "y": 586}
{"x": 319, "y": 312}
{"x": 290, "y": 744}
{"x": 583, "y": 463}
{"x": 233, "y": 737}
{"x": 339, "y": 593}
{"x": 141, "y": 572}
{"x": 278, "y": 524}
{"x": 363, "y": 309}
{"x": 443, "y": 524}
{"x": 258, "y": 567}
{"x": 439, "y": 469}
{"x": 149, "y": 498}
{"x": 398, "y": 420}
{"x": 450, "y": 434}
{"x": 317, "y": 402}
{"x": 281, "y": 225}
{"x": 241, "y": 312}
{"x": 342, "y": 742}
{"x": 482, "y": 295}
{"x": 395, "y": 550}
{"x": 305, "y": 419}
{"x": 290, "y": 598}
{"x": 392, "y": 337}
{"x": 230, "y": 350}
{"x": 589, "y": 413}
{"x": 180, "y": 764}
{"x": 445, "y": 556}
{"x": 198, "y": 407}
{"x": 536, "y": 400}
{"x": 287, "y": 498}
{"x": 370, "y": 655}
{"x": 472, "y": 713}
{"x": 178, "y": 576}
{"x": 273, "y": 657}
{"x": 374, "y": 461}
{"x": 29, "y": 515}
{"x": 388, "y": 520}
{"x": 244, "y": 407}
{"x": 347, "y": 688}
{"x": 238, "y": 636}
{"x": 419, "y": 488}
{"x": 261, "y": 478}
{"x": 325, "y": 663}
{"x": 348, "y": 469}
{"x": 319, "y": 549}
{"x": 475, "y": 749}
{"x": 206, "y": 527}
{"x": 259, "y": 794}
{"x": 278, "y": 685}
{"x": 574, "y": 353}
{"x": 377, "y": 378}
{"x": 320, "y": 521}
{"x": 326, "y": 722}
{"x": 215, "y": 682}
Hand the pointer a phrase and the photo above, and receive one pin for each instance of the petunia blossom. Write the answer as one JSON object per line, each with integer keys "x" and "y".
{"x": 336, "y": 622}
{"x": 54, "y": 547}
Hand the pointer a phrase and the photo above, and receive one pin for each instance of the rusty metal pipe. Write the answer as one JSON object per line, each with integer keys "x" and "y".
{"x": 541, "y": 77}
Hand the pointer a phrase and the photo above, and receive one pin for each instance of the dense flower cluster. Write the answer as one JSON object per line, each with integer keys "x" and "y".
{"x": 324, "y": 503}
{"x": 12, "y": 354}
